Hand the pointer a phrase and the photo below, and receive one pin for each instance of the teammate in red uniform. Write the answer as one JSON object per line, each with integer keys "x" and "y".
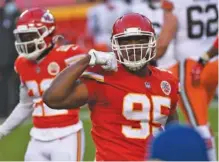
{"x": 128, "y": 104}
{"x": 56, "y": 134}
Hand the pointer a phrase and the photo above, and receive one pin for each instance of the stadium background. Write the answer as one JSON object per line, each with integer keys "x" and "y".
{"x": 71, "y": 22}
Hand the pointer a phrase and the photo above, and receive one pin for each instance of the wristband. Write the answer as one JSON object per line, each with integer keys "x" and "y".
{"x": 204, "y": 59}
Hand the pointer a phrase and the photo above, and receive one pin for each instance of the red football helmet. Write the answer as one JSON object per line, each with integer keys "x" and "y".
{"x": 34, "y": 32}
{"x": 133, "y": 40}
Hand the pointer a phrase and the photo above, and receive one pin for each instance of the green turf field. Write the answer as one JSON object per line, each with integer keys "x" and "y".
{"x": 13, "y": 146}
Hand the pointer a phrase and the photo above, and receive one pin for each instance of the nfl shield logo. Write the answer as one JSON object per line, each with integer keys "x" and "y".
{"x": 37, "y": 69}
{"x": 166, "y": 88}
{"x": 147, "y": 85}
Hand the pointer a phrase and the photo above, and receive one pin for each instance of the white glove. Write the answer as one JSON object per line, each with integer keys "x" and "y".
{"x": 106, "y": 59}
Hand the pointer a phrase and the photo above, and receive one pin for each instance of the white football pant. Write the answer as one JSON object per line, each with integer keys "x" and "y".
{"x": 69, "y": 148}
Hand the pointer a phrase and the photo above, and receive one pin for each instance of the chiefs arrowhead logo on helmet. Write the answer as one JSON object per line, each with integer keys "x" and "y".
{"x": 47, "y": 18}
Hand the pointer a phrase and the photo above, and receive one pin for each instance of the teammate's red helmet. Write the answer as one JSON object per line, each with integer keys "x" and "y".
{"x": 138, "y": 31}
{"x": 34, "y": 32}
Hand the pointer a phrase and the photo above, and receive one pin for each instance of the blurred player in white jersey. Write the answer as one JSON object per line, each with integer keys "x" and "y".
{"x": 56, "y": 135}
{"x": 152, "y": 9}
{"x": 193, "y": 24}
{"x": 101, "y": 17}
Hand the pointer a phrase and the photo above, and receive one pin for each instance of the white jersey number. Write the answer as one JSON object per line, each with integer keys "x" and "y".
{"x": 150, "y": 113}
{"x": 40, "y": 108}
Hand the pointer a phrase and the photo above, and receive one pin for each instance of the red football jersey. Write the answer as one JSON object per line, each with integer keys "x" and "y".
{"x": 37, "y": 76}
{"x": 127, "y": 110}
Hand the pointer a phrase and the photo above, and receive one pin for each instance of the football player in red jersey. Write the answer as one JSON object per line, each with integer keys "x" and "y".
{"x": 56, "y": 134}
{"x": 130, "y": 103}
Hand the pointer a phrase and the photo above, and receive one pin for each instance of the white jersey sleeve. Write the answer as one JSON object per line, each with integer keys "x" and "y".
{"x": 21, "y": 112}
{"x": 24, "y": 97}
{"x": 197, "y": 27}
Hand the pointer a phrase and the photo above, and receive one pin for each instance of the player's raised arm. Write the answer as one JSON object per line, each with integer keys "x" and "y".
{"x": 168, "y": 30}
{"x": 66, "y": 90}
